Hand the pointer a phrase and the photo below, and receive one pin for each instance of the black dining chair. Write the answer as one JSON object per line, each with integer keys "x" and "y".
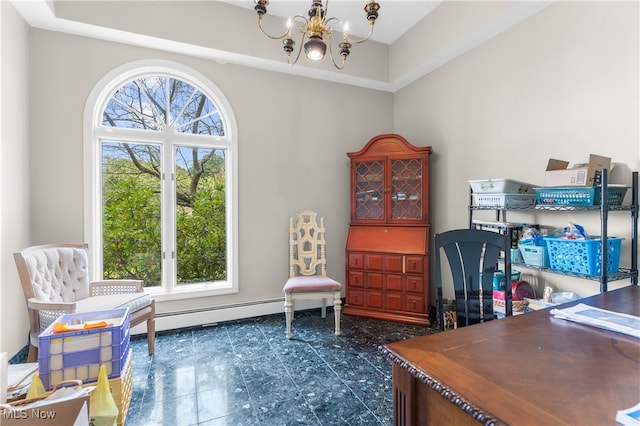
{"x": 473, "y": 256}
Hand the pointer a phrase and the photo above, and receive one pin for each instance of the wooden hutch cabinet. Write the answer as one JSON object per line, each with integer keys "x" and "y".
{"x": 387, "y": 254}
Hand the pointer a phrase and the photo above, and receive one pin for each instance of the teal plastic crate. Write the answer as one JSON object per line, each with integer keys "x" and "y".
{"x": 534, "y": 255}
{"x": 579, "y": 195}
{"x": 498, "y": 279}
{"x": 583, "y": 256}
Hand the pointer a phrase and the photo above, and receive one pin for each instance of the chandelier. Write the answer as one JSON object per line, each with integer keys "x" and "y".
{"x": 315, "y": 32}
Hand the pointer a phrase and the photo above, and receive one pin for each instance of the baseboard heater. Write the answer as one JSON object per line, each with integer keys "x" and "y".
{"x": 212, "y": 315}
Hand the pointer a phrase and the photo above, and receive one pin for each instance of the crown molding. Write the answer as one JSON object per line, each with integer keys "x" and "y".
{"x": 39, "y": 14}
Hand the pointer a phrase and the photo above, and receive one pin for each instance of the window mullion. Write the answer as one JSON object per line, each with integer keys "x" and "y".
{"x": 169, "y": 216}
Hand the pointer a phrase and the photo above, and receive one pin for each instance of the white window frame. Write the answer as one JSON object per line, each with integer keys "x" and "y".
{"x": 95, "y": 132}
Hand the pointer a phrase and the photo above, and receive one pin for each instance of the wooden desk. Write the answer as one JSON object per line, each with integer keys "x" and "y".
{"x": 528, "y": 369}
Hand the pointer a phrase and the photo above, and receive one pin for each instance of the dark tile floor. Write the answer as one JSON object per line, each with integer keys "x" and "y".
{"x": 246, "y": 372}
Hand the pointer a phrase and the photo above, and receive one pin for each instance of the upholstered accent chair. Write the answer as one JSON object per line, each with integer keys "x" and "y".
{"x": 308, "y": 268}
{"x": 55, "y": 281}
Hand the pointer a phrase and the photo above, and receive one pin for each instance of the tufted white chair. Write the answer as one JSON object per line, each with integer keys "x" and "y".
{"x": 55, "y": 281}
{"x": 308, "y": 268}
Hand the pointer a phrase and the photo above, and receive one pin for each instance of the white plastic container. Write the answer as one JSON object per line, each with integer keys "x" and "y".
{"x": 563, "y": 297}
{"x": 501, "y": 200}
{"x": 493, "y": 186}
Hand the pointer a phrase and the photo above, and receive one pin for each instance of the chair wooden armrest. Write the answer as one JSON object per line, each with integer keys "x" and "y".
{"x": 108, "y": 287}
{"x": 42, "y": 314}
{"x": 38, "y": 305}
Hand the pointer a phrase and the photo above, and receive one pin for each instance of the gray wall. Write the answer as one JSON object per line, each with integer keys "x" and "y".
{"x": 293, "y": 139}
{"x": 15, "y": 123}
{"x": 562, "y": 84}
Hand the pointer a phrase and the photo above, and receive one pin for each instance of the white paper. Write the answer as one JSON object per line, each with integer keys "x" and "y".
{"x": 601, "y": 318}
{"x": 83, "y": 416}
{"x": 19, "y": 378}
{"x": 630, "y": 416}
{"x": 21, "y": 373}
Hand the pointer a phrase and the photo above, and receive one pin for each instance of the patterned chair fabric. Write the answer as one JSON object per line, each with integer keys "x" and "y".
{"x": 55, "y": 281}
{"x": 59, "y": 274}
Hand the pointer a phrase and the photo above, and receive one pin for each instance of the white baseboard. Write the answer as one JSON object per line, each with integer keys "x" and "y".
{"x": 204, "y": 317}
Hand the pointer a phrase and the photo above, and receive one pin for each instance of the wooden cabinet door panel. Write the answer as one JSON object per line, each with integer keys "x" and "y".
{"x": 415, "y": 284}
{"x": 369, "y": 184}
{"x": 355, "y": 297}
{"x": 393, "y": 301}
{"x": 414, "y": 264}
{"x": 393, "y": 263}
{"x": 393, "y": 282}
{"x": 374, "y": 280}
{"x": 356, "y": 278}
{"x": 356, "y": 260}
{"x": 407, "y": 179}
{"x": 415, "y": 304}
{"x": 373, "y": 262}
{"x": 374, "y": 299}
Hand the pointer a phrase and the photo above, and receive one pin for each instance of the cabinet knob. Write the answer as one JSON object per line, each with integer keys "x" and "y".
{"x": 414, "y": 264}
{"x": 414, "y": 284}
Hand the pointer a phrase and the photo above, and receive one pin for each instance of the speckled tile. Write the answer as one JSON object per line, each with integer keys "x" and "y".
{"x": 291, "y": 412}
{"x": 177, "y": 411}
{"x": 246, "y": 372}
{"x": 224, "y": 401}
{"x": 264, "y": 364}
{"x": 219, "y": 372}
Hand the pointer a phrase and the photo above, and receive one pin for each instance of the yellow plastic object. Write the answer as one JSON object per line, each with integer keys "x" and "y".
{"x": 36, "y": 390}
{"x": 103, "y": 410}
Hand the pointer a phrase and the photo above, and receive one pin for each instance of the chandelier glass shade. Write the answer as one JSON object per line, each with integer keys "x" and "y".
{"x": 315, "y": 48}
{"x": 315, "y": 31}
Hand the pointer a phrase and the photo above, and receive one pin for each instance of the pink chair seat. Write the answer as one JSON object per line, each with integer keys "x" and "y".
{"x": 311, "y": 283}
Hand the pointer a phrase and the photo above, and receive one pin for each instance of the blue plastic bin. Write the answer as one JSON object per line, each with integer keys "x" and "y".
{"x": 583, "y": 256}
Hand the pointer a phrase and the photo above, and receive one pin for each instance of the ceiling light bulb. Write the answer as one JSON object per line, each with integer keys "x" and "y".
{"x": 315, "y": 48}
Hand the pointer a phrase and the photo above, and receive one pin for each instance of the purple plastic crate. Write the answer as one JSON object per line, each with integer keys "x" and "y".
{"x": 583, "y": 256}
{"x": 77, "y": 355}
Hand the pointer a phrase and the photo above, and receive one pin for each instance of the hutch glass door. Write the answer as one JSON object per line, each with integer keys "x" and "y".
{"x": 406, "y": 189}
{"x": 369, "y": 179}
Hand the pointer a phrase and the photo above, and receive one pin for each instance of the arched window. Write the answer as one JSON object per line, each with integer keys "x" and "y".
{"x": 160, "y": 180}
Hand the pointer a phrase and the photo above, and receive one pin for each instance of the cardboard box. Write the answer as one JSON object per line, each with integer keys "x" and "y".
{"x": 588, "y": 174}
{"x": 70, "y": 412}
